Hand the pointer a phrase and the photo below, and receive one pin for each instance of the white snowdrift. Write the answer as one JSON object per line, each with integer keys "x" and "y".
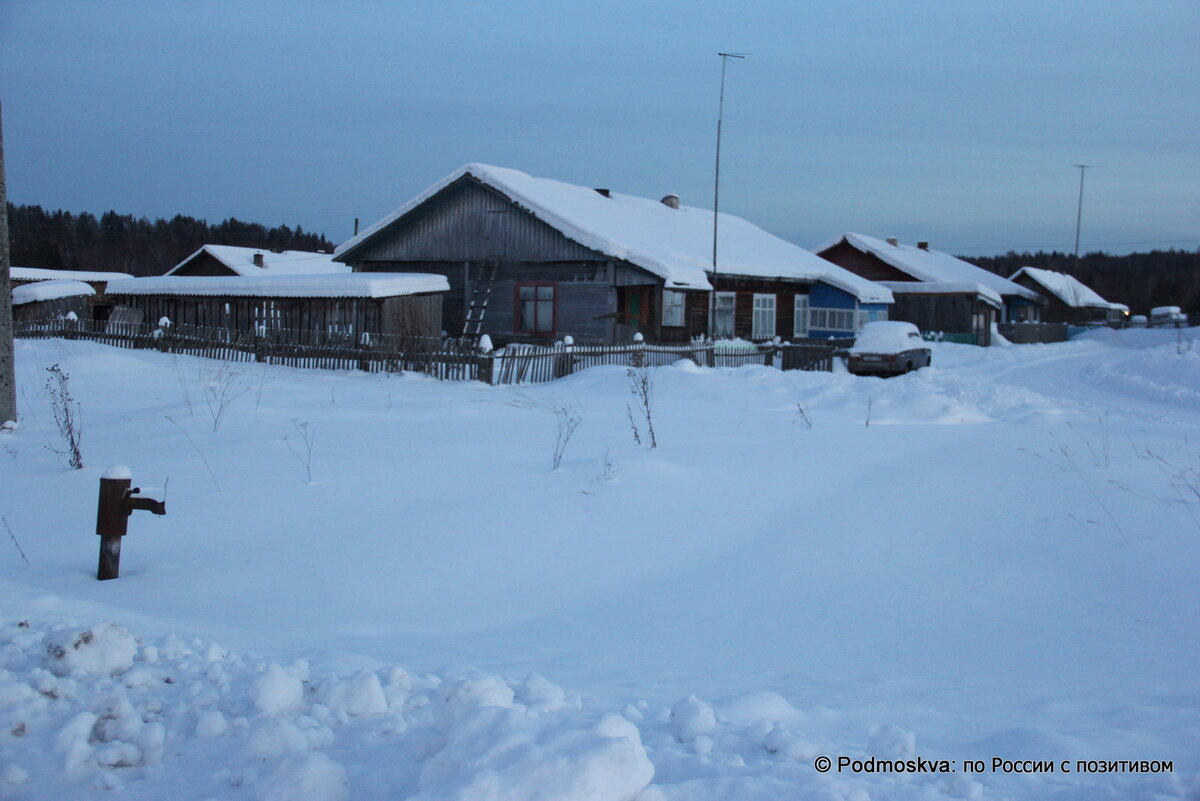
{"x": 992, "y": 557}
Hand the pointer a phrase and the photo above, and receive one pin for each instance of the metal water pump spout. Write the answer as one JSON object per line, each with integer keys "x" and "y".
{"x": 116, "y": 504}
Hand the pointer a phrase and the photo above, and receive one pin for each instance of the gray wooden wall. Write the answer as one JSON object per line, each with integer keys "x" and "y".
{"x": 467, "y": 228}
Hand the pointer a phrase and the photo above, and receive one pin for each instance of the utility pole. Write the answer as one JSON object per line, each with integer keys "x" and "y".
{"x": 8, "y": 383}
{"x": 717, "y": 190}
{"x": 1079, "y": 212}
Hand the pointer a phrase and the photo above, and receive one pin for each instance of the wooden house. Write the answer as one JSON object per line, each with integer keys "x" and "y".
{"x": 345, "y": 304}
{"x": 532, "y": 260}
{"x": 229, "y": 260}
{"x": 935, "y": 291}
{"x": 1069, "y": 300}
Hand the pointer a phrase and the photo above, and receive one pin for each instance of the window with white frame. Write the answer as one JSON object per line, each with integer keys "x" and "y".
{"x": 762, "y": 323}
{"x": 831, "y": 319}
{"x": 672, "y": 307}
{"x": 800, "y": 321}
{"x": 723, "y": 319}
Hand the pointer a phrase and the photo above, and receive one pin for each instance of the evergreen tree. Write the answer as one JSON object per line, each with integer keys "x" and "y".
{"x": 60, "y": 240}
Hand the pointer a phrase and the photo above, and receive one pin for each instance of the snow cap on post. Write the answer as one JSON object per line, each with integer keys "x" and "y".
{"x": 118, "y": 471}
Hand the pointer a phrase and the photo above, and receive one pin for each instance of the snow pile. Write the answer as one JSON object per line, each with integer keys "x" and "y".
{"x": 95, "y": 709}
{"x": 224, "y": 725}
{"x": 105, "y": 649}
{"x": 312, "y": 777}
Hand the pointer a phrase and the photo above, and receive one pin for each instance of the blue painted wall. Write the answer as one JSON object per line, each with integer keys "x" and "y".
{"x": 826, "y": 296}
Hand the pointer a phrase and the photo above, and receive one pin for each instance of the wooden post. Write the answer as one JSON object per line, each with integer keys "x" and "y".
{"x": 8, "y": 384}
{"x": 112, "y": 520}
{"x": 486, "y": 362}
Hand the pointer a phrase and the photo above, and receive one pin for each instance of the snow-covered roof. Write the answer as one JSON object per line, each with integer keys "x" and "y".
{"x": 1067, "y": 288}
{"x": 49, "y": 290}
{"x": 930, "y": 265}
{"x": 945, "y": 288}
{"x": 41, "y": 274}
{"x": 329, "y": 285}
{"x": 289, "y": 262}
{"x": 674, "y": 244}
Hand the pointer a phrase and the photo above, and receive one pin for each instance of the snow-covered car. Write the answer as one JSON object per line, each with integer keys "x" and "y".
{"x": 888, "y": 347}
{"x": 1166, "y": 316}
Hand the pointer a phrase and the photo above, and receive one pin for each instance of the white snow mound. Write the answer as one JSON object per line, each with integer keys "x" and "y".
{"x": 104, "y": 649}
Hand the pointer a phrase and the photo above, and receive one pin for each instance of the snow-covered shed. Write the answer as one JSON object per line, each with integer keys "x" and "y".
{"x": 1068, "y": 299}
{"x": 49, "y": 300}
{"x": 216, "y": 260}
{"x": 407, "y": 304}
{"x": 531, "y": 259}
{"x": 87, "y": 306}
{"x": 937, "y": 291}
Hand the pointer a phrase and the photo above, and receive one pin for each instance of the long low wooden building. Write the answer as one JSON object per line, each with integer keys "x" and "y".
{"x": 407, "y": 304}
{"x": 532, "y": 260}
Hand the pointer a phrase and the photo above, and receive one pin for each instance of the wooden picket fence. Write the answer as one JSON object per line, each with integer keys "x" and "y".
{"x": 449, "y": 359}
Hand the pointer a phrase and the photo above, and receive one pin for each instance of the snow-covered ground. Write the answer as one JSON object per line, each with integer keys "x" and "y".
{"x": 993, "y": 558}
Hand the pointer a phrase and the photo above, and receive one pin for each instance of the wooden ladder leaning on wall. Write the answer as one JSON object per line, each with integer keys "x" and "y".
{"x": 482, "y": 293}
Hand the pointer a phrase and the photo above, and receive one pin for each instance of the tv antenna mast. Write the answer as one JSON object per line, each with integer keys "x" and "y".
{"x": 1079, "y": 211}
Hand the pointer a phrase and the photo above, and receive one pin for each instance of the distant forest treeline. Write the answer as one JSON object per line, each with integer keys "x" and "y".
{"x": 60, "y": 240}
{"x": 1140, "y": 280}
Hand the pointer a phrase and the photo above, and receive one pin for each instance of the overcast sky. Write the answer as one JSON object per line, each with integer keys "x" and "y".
{"x": 952, "y": 121}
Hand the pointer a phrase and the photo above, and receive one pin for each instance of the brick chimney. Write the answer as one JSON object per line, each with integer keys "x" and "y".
{"x": 258, "y": 260}
{"x": 923, "y": 245}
